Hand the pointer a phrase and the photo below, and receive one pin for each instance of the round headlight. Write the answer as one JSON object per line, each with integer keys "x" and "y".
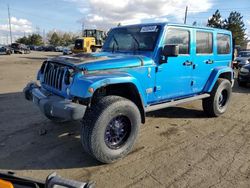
{"x": 68, "y": 77}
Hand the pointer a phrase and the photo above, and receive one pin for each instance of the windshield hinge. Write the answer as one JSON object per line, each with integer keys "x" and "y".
{"x": 158, "y": 69}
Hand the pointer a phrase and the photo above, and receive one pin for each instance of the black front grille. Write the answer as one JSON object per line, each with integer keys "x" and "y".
{"x": 53, "y": 75}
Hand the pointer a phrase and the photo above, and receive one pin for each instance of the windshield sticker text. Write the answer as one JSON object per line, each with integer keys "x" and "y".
{"x": 148, "y": 29}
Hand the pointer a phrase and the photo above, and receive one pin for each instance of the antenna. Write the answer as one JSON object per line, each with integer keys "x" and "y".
{"x": 185, "y": 19}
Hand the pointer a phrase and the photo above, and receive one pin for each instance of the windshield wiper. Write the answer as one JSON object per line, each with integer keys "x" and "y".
{"x": 137, "y": 42}
{"x": 117, "y": 45}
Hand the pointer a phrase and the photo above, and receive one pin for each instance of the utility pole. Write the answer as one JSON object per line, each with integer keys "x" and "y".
{"x": 10, "y": 25}
{"x": 185, "y": 19}
{"x": 44, "y": 40}
{"x": 7, "y": 39}
{"x": 82, "y": 29}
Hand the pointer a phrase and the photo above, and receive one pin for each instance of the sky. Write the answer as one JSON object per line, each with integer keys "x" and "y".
{"x": 42, "y": 16}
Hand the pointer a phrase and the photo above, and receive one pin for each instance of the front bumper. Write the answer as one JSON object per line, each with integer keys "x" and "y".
{"x": 52, "y": 105}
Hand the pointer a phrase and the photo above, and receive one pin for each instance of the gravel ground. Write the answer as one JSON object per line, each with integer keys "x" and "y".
{"x": 177, "y": 147}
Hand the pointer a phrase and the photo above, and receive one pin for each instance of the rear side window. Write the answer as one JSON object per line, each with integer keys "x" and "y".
{"x": 204, "y": 42}
{"x": 223, "y": 44}
{"x": 178, "y": 37}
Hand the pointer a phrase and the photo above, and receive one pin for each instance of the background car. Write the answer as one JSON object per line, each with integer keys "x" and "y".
{"x": 59, "y": 48}
{"x": 67, "y": 51}
{"x": 4, "y": 50}
{"x": 40, "y": 48}
{"x": 243, "y": 58}
{"x": 33, "y": 47}
{"x": 50, "y": 48}
{"x": 244, "y": 75}
{"x": 20, "y": 48}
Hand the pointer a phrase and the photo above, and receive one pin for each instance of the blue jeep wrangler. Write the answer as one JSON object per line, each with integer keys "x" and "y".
{"x": 141, "y": 68}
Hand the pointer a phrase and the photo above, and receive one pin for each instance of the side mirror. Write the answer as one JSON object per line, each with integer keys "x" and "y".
{"x": 170, "y": 50}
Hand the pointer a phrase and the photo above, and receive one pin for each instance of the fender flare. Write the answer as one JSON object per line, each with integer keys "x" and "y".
{"x": 97, "y": 81}
{"x": 216, "y": 73}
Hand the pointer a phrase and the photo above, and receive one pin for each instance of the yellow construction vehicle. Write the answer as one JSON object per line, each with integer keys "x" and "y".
{"x": 91, "y": 41}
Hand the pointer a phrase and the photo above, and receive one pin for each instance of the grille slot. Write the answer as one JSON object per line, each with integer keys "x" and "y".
{"x": 53, "y": 75}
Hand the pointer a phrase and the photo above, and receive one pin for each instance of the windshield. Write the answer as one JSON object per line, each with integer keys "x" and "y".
{"x": 141, "y": 38}
{"x": 244, "y": 54}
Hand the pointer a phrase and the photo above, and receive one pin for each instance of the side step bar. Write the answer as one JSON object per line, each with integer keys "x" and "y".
{"x": 175, "y": 102}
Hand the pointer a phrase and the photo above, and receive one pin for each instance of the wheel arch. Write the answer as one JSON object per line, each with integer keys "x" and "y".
{"x": 127, "y": 90}
{"x": 219, "y": 72}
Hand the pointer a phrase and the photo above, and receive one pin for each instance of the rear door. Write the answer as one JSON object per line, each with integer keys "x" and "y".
{"x": 173, "y": 78}
{"x": 204, "y": 61}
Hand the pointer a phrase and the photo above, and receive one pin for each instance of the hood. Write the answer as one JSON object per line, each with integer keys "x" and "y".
{"x": 242, "y": 58}
{"x": 247, "y": 66}
{"x": 103, "y": 61}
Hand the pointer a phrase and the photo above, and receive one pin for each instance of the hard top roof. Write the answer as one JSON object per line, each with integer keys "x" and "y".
{"x": 179, "y": 25}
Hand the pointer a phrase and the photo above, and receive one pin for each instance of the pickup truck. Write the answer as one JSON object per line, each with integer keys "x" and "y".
{"x": 141, "y": 68}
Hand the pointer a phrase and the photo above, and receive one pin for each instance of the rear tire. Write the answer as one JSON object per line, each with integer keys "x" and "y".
{"x": 110, "y": 128}
{"x": 219, "y": 99}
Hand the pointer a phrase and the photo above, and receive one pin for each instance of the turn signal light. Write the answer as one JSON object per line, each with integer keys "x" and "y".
{"x": 5, "y": 184}
{"x": 91, "y": 90}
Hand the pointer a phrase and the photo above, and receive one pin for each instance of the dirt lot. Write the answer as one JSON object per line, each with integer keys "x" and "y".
{"x": 177, "y": 147}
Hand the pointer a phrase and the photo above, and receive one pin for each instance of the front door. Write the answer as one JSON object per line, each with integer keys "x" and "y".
{"x": 174, "y": 78}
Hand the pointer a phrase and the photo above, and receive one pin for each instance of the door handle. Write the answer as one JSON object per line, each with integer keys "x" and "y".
{"x": 188, "y": 63}
{"x": 209, "y": 61}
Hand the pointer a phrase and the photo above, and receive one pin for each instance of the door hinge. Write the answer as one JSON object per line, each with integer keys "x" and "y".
{"x": 158, "y": 69}
{"x": 157, "y": 88}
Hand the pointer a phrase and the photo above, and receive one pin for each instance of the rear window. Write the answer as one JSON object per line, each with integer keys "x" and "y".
{"x": 179, "y": 37}
{"x": 223, "y": 44}
{"x": 204, "y": 42}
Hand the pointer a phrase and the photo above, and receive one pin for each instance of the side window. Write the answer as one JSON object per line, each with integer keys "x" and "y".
{"x": 179, "y": 37}
{"x": 223, "y": 44}
{"x": 204, "y": 42}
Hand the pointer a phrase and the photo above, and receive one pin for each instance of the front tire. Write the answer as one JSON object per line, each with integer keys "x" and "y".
{"x": 219, "y": 99}
{"x": 110, "y": 128}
